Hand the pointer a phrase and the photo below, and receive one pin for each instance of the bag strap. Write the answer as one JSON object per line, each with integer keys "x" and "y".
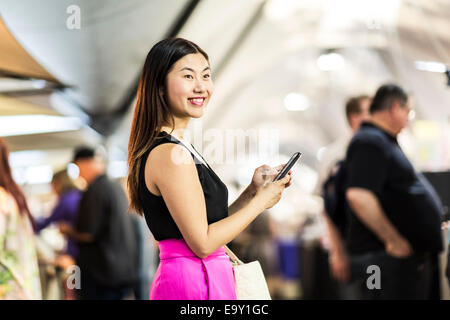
{"x": 232, "y": 256}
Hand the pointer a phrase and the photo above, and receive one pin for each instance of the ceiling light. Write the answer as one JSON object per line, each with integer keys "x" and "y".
{"x": 33, "y": 124}
{"x": 331, "y": 61}
{"x": 296, "y": 102}
{"x": 431, "y": 66}
{"x": 33, "y": 175}
{"x": 38, "y": 84}
{"x": 118, "y": 169}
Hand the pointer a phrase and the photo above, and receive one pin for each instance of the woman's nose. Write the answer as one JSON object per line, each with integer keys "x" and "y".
{"x": 199, "y": 86}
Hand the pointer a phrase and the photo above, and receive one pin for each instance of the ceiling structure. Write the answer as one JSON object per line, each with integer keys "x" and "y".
{"x": 260, "y": 51}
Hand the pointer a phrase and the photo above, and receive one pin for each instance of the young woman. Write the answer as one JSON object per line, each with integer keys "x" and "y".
{"x": 183, "y": 201}
{"x": 66, "y": 210}
{"x": 19, "y": 272}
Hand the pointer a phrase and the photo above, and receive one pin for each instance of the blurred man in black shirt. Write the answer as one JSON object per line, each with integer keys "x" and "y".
{"x": 107, "y": 239}
{"x": 395, "y": 215}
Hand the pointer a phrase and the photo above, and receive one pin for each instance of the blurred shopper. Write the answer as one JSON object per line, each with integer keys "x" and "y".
{"x": 66, "y": 210}
{"x": 104, "y": 232}
{"x": 184, "y": 202}
{"x": 19, "y": 270}
{"x": 357, "y": 111}
{"x": 395, "y": 215}
{"x": 262, "y": 246}
{"x": 146, "y": 268}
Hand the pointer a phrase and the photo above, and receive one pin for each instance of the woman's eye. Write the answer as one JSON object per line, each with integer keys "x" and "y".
{"x": 188, "y": 76}
{"x": 207, "y": 76}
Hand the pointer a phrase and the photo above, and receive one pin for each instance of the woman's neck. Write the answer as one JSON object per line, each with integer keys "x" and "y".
{"x": 178, "y": 130}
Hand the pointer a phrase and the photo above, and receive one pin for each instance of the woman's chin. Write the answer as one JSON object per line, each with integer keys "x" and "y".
{"x": 196, "y": 113}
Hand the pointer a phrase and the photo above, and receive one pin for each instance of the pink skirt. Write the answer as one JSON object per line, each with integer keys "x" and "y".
{"x": 181, "y": 275}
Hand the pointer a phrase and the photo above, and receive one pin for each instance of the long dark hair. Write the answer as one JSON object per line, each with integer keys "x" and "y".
{"x": 152, "y": 109}
{"x": 7, "y": 182}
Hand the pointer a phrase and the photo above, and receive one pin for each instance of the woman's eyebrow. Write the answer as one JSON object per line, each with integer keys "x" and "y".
{"x": 192, "y": 70}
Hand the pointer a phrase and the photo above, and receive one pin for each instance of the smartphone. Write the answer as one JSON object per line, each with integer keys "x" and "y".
{"x": 293, "y": 160}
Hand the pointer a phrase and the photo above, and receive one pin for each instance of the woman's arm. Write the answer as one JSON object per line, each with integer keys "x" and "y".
{"x": 56, "y": 216}
{"x": 178, "y": 182}
{"x": 242, "y": 200}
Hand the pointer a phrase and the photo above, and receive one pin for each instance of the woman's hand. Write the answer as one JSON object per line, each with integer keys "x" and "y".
{"x": 266, "y": 173}
{"x": 270, "y": 193}
{"x": 64, "y": 228}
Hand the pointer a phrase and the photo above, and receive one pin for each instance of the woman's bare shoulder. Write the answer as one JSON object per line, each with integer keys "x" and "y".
{"x": 169, "y": 155}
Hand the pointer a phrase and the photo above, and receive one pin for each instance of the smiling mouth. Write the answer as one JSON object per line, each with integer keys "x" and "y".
{"x": 197, "y": 101}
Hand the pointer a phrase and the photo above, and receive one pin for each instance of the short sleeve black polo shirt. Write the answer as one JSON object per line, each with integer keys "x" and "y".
{"x": 111, "y": 259}
{"x": 376, "y": 162}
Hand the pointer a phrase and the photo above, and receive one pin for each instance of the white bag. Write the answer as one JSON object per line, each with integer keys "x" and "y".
{"x": 249, "y": 278}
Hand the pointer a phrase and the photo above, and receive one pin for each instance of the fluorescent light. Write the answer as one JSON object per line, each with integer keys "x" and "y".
{"x": 330, "y": 61}
{"x": 118, "y": 169}
{"x": 32, "y": 124}
{"x": 38, "y": 84}
{"x": 33, "y": 175}
{"x": 39, "y": 174}
{"x": 296, "y": 102}
{"x": 25, "y": 158}
{"x": 8, "y": 84}
{"x": 19, "y": 175}
{"x": 430, "y": 66}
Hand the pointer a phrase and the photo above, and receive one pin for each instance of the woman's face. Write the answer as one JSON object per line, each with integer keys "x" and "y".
{"x": 189, "y": 86}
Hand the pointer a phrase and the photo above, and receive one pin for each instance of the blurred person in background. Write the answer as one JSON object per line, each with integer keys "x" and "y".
{"x": 105, "y": 233}
{"x": 395, "y": 214}
{"x": 260, "y": 244}
{"x": 146, "y": 252}
{"x": 65, "y": 211}
{"x": 19, "y": 270}
{"x": 356, "y": 111}
{"x": 146, "y": 264}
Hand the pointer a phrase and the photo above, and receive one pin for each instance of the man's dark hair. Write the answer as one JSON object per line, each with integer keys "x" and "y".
{"x": 353, "y": 105}
{"x": 83, "y": 152}
{"x": 386, "y": 96}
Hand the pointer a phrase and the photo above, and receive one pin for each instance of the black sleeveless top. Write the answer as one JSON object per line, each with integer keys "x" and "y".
{"x": 157, "y": 216}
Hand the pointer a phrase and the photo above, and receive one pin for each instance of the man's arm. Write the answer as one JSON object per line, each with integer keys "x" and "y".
{"x": 339, "y": 263}
{"x": 367, "y": 207}
{"x": 67, "y": 230}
